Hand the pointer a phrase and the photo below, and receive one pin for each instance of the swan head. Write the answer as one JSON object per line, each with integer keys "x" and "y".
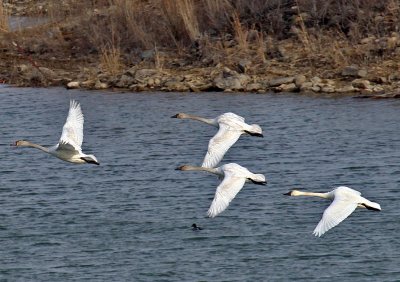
{"x": 90, "y": 159}
{"x": 20, "y": 143}
{"x": 183, "y": 167}
{"x": 293, "y": 193}
{"x": 180, "y": 115}
{"x": 256, "y": 129}
{"x": 258, "y": 179}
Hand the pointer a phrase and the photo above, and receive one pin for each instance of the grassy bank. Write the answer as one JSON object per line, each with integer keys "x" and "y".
{"x": 260, "y": 38}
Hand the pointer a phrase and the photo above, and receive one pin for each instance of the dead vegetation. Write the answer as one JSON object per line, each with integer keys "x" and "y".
{"x": 3, "y": 18}
{"x": 318, "y": 35}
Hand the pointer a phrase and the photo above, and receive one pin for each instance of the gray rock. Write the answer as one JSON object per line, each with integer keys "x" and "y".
{"x": 306, "y": 86}
{"x": 394, "y": 77}
{"x": 346, "y": 89}
{"x": 143, "y": 74}
{"x": 100, "y": 85}
{"x": 175, "y": 85}
{"x": 316, "y": 88}
{"x": 243, "y": 66}
{"x": 328, "y": 89}
{"x": 361, "y": 83}
{"x": 125, "y": 81}
{"x": 148, "y": 54}
{"x": 289, "y": 87}
{"x": 281, "y": 80}
{"x": 131, "y": 71}
{"x": 73, "y": 85}
{"x": 254, "y": 87}
{"x": 228, "y": 83}
{"x": 31, "y": 74}
{"x": 378, "y": 89}
{"x": 316, "y": 80}
{"x": 299, "y": 80}
{"x": 354, "y": 71}
{"x": 230, "y": 80}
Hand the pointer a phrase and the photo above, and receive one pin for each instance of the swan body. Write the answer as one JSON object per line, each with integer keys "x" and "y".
{"x": 69, "y": 147}
{"x": 231, "y": 126}
{"x": 344, "y": 201}
{"x": 234, "y": 176}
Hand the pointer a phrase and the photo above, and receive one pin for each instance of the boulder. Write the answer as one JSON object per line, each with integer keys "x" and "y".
{"x": 361, "y": 83}
{"x": 346, "y": 89}
{"x": 73, "y": 85}
{"x": 175, "y": 85}
{"x": 254, "y": 87}
{"x": 316, "y": 80}
{"x": 288, "y": 87}
{"x": 100, "y": 85}
{"x": 328, "y": 89}
{"x": 30, "y": 75}
{"x": 306, "y": 86}
{"x": 299, "y": 80}
{"x": 125, "y": 81}
{"x": 281, "y": 80}
{"x": 143, "y": 74}
{"x": 243, "y": 66}
{"x": 230, "y": 80}
{"x": 228, "y": 83}
{"x": 354, "y": 71}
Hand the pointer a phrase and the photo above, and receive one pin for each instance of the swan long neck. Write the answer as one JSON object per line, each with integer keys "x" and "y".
{"x": 205, "y": 120}
{"x": 33, "y": 145}
{"x": 311, "y": 194}
{"x": 200, "y": 168}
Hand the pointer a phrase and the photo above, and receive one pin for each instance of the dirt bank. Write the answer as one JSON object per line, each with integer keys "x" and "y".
{"x": 71, "y": 49}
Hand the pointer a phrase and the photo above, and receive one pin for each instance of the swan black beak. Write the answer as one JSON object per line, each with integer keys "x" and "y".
{"x": 288, "y": 193}
{"x": 259, "y": 183}
{"x": 254, "y": 134}
{"x": 179, "y": 168}
{"x": 90, "y": 161}
{"x": 175, "y": 116}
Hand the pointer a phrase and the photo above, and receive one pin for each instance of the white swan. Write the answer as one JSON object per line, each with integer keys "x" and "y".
{"x": 344, "y": 201}
{"x": 69, "y": 146}
{"x": 234, "y": 177}
{"x": 231, "y": 126}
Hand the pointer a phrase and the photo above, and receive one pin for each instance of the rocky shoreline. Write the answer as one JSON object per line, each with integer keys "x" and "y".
{"x": 352, "y": 81}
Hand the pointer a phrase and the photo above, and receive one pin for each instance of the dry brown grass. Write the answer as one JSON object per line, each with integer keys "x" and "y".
{"x": 209, "y": 32}
{"x": 240, "y": 33}
{"x": 110, "y": 59}
{"x": 3, "y": 18}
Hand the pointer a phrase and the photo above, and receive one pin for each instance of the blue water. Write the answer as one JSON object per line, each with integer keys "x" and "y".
{"x": 129, "y": 218}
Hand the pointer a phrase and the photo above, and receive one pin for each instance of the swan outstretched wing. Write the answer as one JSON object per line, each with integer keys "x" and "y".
{"x": 219, "y": 145}
{"x": 231, "y": 116}
{"x": 226, "y": 191}
{"x": 72, "y": 134}
{"x": 339, "y": 210}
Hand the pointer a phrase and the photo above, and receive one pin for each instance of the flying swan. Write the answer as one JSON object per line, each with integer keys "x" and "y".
{"x": 234, "y": 176}
{"x": 344, "y": 201}
{"x": 69, "y": 147}
{"x": 231, "y": 126}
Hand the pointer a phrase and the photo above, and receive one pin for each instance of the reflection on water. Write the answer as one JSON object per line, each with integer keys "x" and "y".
{"x": 130, "y": 218}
